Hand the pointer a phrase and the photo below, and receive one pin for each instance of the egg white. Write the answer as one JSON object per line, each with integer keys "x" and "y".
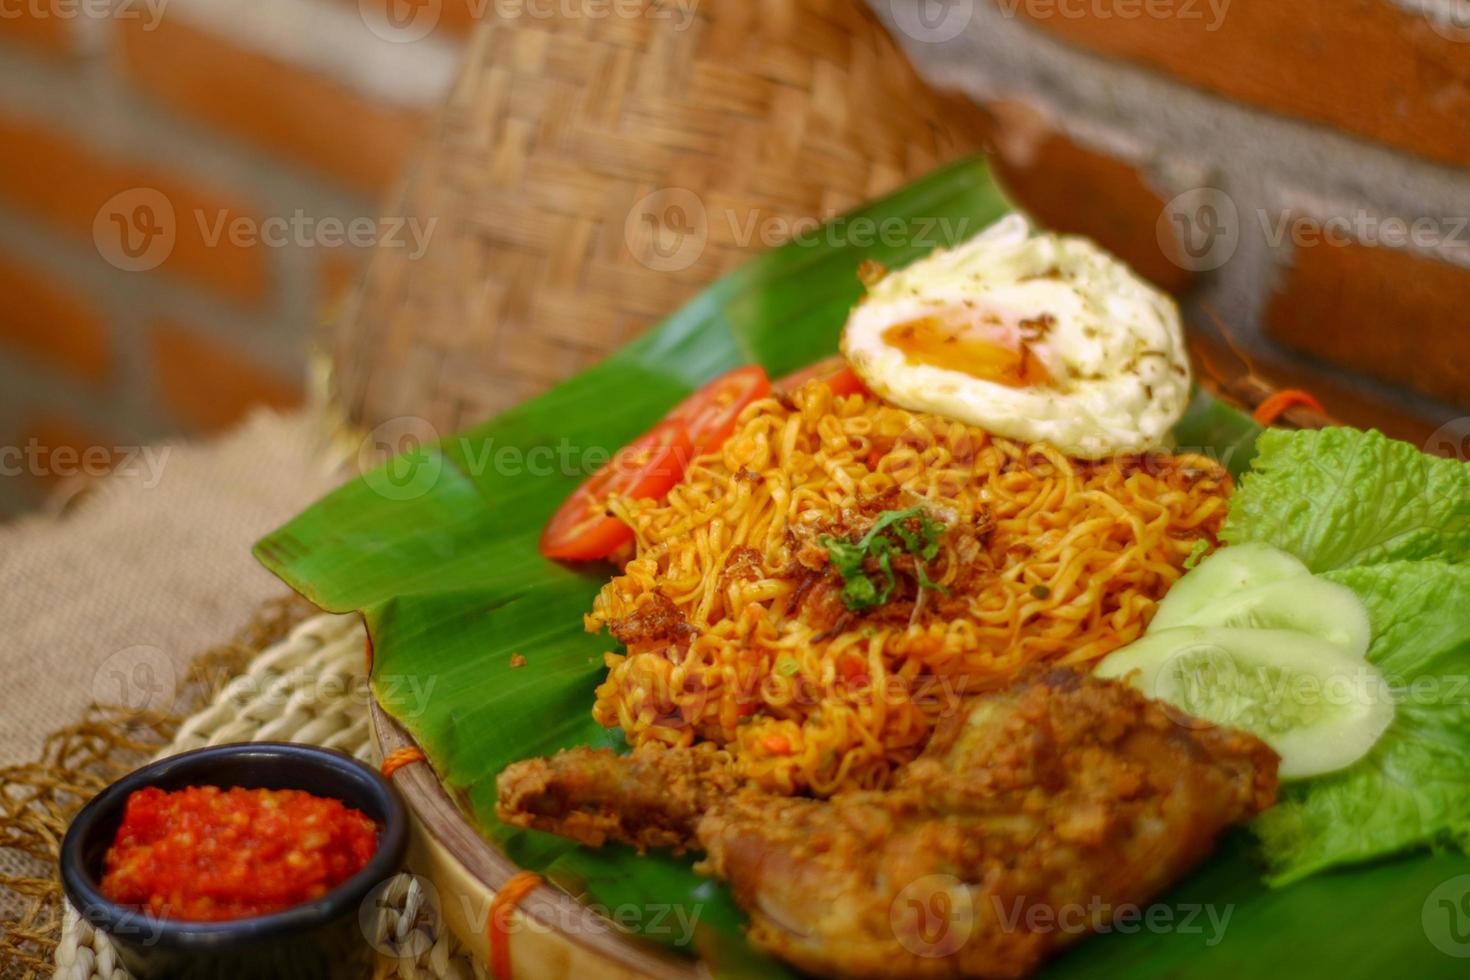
{"x": 1112, "y": 344}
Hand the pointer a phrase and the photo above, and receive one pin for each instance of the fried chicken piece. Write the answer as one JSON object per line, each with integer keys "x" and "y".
{"x": 1034, "y": 814}
{"x": 652, "y": 797}
{"x": 1035, "y": 810}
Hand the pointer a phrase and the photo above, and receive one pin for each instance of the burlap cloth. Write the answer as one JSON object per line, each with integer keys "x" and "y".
{"x": 84, "y": 622}
{"x": 80, "y": 594}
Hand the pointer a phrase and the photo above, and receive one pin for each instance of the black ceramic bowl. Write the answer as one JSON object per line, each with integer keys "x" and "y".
{"x": 321, "y": 938}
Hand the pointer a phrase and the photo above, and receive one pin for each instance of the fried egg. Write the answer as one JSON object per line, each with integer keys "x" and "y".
{"x": 1033, "y": 336}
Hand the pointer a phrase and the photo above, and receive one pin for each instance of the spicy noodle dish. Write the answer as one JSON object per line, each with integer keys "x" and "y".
{"x": 952, "y": 612}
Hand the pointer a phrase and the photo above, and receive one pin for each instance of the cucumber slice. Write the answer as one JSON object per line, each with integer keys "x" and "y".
{"x": 1143, "y": 657}
{"x": 1226, "y": 572}
{"x": 1306, "y": 604}
{"x": 1320, "y": 707}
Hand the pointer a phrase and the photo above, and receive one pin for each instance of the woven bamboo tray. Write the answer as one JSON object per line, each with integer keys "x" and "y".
{"x": 554, "y": 936}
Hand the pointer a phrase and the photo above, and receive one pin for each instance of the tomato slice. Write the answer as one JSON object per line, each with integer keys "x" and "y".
{"x": 834, "y": 372}
{"x": 710, "y": 413}
{"x": 581, "y": 529}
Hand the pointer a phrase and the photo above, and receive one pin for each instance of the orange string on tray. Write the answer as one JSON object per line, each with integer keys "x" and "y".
{"x": 400, "y": 758}
{"x": 1277, "y": 404}
{"x": 497, "y": 925}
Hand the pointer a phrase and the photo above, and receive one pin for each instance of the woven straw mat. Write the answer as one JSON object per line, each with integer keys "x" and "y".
{"x": 310, "y": 687}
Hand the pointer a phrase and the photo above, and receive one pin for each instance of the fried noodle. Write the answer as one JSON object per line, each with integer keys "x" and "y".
{"x": 732, "y": 617}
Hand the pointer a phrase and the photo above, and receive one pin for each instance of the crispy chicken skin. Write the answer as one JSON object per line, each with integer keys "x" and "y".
{"x": 652, "y": 797}
{"x": 1034, "y": 814}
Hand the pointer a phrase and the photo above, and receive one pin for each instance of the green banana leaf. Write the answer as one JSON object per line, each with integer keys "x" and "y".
{"x": 437, "y": 550}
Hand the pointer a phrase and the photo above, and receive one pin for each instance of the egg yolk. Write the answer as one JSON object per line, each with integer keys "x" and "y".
{"x": 930, "y": 341}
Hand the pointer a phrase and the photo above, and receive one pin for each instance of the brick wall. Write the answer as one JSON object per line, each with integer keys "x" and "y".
{"x": 181, "y": 186}
{"x": 178, "y": 179}
{"x": 1295, "y": 171}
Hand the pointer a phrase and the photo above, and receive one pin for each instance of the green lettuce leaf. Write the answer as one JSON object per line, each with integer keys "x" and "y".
{"x": 1414, "y": 787}
{"x": 1339, "y": 497}
{"x": 1392, "y": 524}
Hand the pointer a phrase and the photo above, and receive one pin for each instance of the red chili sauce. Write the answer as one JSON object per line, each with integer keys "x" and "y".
{"x": 204, "y": 854}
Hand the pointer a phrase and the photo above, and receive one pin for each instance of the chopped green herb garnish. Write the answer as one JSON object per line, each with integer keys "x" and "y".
{"x": 1041, "y": 591}
{"x": 889, "y": 535}
{"x": 788, "y": 667}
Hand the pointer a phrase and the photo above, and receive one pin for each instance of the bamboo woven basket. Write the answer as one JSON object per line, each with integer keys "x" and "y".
{"x": 589, "y": 175}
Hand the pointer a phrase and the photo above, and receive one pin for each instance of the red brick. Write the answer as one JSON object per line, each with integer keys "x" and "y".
{"x": 1389, "y": 314}
{"x": 46, "y": 319}
{"x": 85, "y": 452}
{"x": 35, "y": 24}
{"x": 1073, "y": 189}
{"x": 1365, "y": 66}
{"x": 66, "y": 184}
{"x": 311, "y": 120}
{"x": 209, "y": 384}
